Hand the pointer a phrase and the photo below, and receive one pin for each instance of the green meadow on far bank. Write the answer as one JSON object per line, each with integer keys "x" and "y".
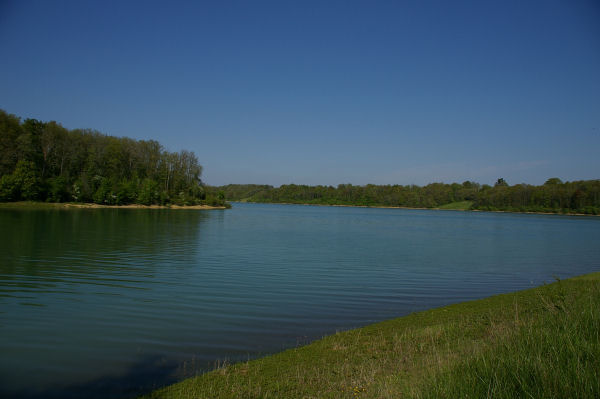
{"x": 540, "y": 343}
{"x": 458, "y": 205}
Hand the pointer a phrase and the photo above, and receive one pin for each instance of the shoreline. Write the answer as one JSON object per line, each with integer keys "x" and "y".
{"x": 421, "y": 209}
{"x": 448, "y": 351}
{"x": 67, "y": 205}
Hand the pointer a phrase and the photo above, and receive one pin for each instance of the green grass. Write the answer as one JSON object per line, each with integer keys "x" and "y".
{"x": 460, "y": 205}
{"x": 538, "y": 343}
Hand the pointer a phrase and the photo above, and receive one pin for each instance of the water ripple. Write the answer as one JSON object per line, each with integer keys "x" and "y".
{"x": 171, "y": 293}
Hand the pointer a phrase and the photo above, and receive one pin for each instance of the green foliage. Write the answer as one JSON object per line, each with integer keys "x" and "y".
{"x": 553, "y": 181}
{"x": 501, "y": 183}
{"x": 9, "y": 189}
{"x": 238, "y": 192}
{"x": 10, "y": 130}
{"x": 23, "y": 183}
{"x": 44, "y": 161}
{"x": 552, "y": 197}
{"x": 104, "y": 194}
{"x": 26, "y": 175}
{"x": 149, "y": 192}
{"x": 58, "y": 189}
{"x": 126, "y": 192}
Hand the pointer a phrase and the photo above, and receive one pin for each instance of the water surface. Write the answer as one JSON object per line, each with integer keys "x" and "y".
{"x": 114, "y": 302}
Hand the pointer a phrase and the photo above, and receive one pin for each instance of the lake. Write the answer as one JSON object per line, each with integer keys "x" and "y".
{"x": 115, "y": 302}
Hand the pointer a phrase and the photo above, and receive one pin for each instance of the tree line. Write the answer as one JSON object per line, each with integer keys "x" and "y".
{"x": 44, "y": 161}
{"x": 554, "y": 196}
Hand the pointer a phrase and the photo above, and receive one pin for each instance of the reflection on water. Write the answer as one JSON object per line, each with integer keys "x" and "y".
{"x": 77, "y": 289}
{"x": 114, "y": 302}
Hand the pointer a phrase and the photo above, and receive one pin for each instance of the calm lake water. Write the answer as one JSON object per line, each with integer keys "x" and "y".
{"x": 114, "y": 302}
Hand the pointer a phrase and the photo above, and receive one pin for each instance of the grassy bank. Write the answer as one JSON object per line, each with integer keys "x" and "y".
{"x": 66, "y": 205}
{"x": 460, "y": 205}
{"x": 539, "y": 343}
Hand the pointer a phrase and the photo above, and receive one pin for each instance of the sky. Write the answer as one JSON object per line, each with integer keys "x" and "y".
{"x": 321, "y": 92}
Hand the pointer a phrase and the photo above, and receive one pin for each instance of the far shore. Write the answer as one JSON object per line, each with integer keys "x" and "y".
{"x": 412, "y": 208}
{"x": 32, "y": 204}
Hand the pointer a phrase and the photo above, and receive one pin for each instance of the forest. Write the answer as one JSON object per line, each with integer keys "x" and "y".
{"x": 554, "y": 196}
{"x": 44, "y": 161}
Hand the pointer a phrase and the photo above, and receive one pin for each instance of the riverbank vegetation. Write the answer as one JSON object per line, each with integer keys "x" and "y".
{"x": 43, "y": 161}
{"x": 539, "y": 343}
{"x": 554, "y": 196}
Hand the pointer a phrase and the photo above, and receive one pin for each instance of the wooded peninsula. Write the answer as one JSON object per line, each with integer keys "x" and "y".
{"x": 44, "y": 161}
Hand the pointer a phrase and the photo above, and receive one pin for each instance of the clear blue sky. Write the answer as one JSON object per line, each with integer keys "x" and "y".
{"x": 323, "y": 92}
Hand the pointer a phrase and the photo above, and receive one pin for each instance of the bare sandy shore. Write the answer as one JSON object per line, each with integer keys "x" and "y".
{"x": 138, "y": 206}
{"x": 43, "y": 205}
